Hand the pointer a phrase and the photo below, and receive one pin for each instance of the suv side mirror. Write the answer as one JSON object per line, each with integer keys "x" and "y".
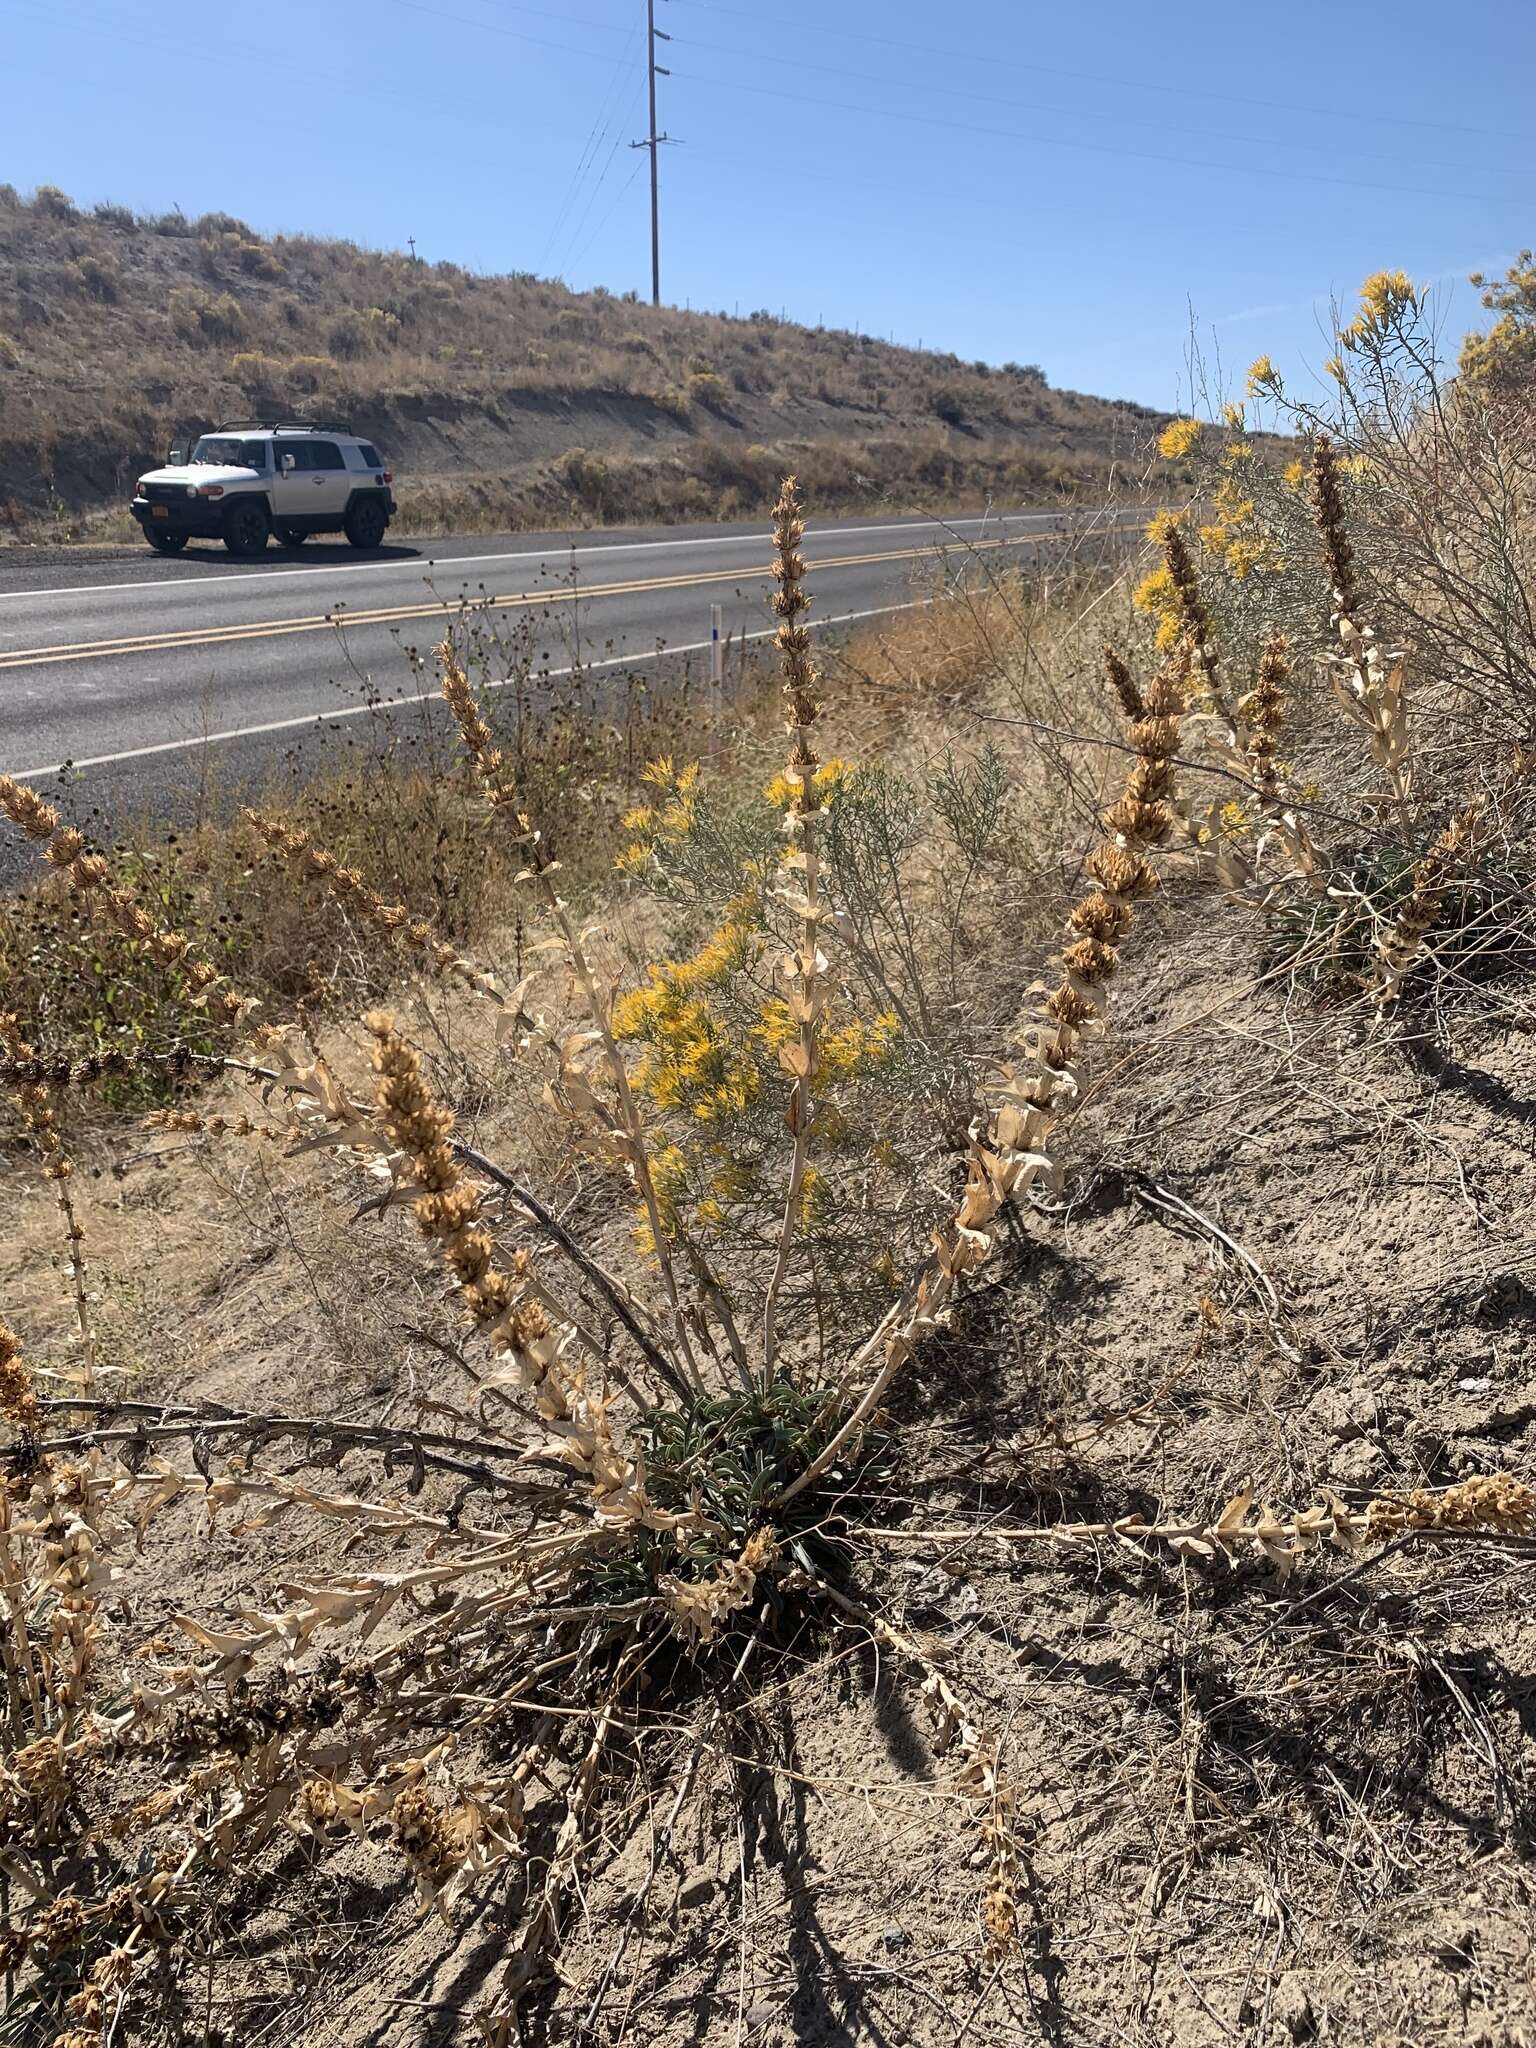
{"x": 289, "y": 462}
{"x": 177, "y": 456}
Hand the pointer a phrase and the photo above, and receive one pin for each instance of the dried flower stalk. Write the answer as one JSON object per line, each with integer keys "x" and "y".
{"x": 515, "y": 1314}
{"x": 699, "y": 1606}
{"x": 18, "y": 1396}
{"x": 1192, "y": 610}
{"x": 805, "y": 968}
{"x": 1261, "y": 715}
{"x": 1492, "y": 1505}
{"x": 313, "y": 863}
{"x": 1374, "y": 694}
{"x": 979, "y": 1780}
{"x": 37, "y": 1110}
{"x": 91, "y": 878}
{"x": 1399, "y": 947}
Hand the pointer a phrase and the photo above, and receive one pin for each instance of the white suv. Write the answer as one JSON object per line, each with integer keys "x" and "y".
{"x": 288, "y": 477}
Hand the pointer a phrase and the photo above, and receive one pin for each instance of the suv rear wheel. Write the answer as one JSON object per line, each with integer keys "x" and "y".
{"x": 245, "y": 527}
{"x": 365, "y": 523}
{"x": 292, "y": 536}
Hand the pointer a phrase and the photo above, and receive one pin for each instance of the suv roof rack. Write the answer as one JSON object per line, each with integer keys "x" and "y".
{"x": 285, "y": 427}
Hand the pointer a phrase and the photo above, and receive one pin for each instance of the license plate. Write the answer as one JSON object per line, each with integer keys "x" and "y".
{"x": 159, "y": 511}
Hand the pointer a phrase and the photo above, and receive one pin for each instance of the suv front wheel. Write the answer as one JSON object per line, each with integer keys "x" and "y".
{"x": 245, "y": 527}
{"x": 365, "y": 523}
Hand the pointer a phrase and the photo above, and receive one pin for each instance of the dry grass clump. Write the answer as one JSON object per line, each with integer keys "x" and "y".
{"x": 657, "y": 1463}
{"x": 283, "y": 894}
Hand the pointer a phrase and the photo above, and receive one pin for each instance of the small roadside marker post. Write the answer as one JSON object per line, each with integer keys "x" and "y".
{"x": 716, "y": 646}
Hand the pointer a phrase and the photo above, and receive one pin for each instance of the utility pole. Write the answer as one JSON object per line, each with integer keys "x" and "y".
{"x": 653, "y": 141}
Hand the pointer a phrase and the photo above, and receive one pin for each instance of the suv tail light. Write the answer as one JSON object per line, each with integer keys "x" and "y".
{"x": 389, "y": 476}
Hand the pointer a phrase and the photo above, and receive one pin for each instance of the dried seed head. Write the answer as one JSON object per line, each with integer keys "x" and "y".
{"x": 27, "y": 811}
{"x": 1328, "y": 511}
{"x": 18, "y": 1396}
{"x": 60, "y": 1926}
{"x": 426, "y": 1838}
{"x": 1119, "y": 872}
{"x": 1495, "y": 1501}
{"x": 1123, "y": 683}
{"x": 1185, "y": 579}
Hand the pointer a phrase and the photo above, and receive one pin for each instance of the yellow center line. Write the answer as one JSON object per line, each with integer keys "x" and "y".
{"x": 167, "y": 642}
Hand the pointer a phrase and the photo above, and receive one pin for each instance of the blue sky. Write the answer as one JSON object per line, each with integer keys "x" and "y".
{"x": 1067, "y": 185}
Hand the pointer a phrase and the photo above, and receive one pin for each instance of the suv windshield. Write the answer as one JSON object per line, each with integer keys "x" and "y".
{"x": 230, "y": 454}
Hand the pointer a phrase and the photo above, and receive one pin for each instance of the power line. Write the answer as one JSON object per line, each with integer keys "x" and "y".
{"x": 1227, "y": 169}
{"x": 1333, "y": 148}
{"x": 618, "y": 200}
{"x": 602, "y": 123}
{"x": 1352, "y": 117}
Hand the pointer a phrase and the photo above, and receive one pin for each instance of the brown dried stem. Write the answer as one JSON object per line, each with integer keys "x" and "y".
{"x": 37, "y": 1110}
{"x": 1194, "y": 614}
{"x": 1399, "y": 947}
{"x": 91, "y": 878}
{"x": 394, "y": 920}
{"x": 805, "y": 968}
{"x": 1374, "y": 695}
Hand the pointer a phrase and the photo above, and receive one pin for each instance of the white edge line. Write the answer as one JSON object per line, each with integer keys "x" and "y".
{"x": 426, "y": 562}
{"x": 320, "y": 718}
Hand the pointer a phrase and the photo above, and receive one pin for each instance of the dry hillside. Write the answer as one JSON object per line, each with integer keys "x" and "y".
{"x": 504, "y": 400}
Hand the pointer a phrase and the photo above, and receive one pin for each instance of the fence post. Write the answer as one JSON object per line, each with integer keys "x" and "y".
{"x": 716, "y": 646}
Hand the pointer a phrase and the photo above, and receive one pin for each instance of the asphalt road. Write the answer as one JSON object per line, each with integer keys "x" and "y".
{"x": 135, "y": 680}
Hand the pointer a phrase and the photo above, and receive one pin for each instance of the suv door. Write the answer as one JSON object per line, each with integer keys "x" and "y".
{"x": 331, "y": 486}
{"x": 293, "y": 481}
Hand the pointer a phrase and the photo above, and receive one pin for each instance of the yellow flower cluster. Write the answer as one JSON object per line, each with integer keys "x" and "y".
{"x": 841, "y": 1055}
{"x": 1263, "y": 377}
{"x": 1235, "y": 533}
{"x": 1156, "y": 596}
{"x": 1509, "y": 346}
{"x": 666, "y": 820}
{"x": 1178, "y": 439}
{"x": 830, "y": 779}
{"x": 689, "y": 1061}
{"x": 1385, "y": 298}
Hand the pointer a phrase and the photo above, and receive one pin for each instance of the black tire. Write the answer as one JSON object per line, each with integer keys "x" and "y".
{"x": 165, "y": 543}
{"x": 365, "y": 523}
{"x": 291, "y": 536}
{"x": 246, "y": 527}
